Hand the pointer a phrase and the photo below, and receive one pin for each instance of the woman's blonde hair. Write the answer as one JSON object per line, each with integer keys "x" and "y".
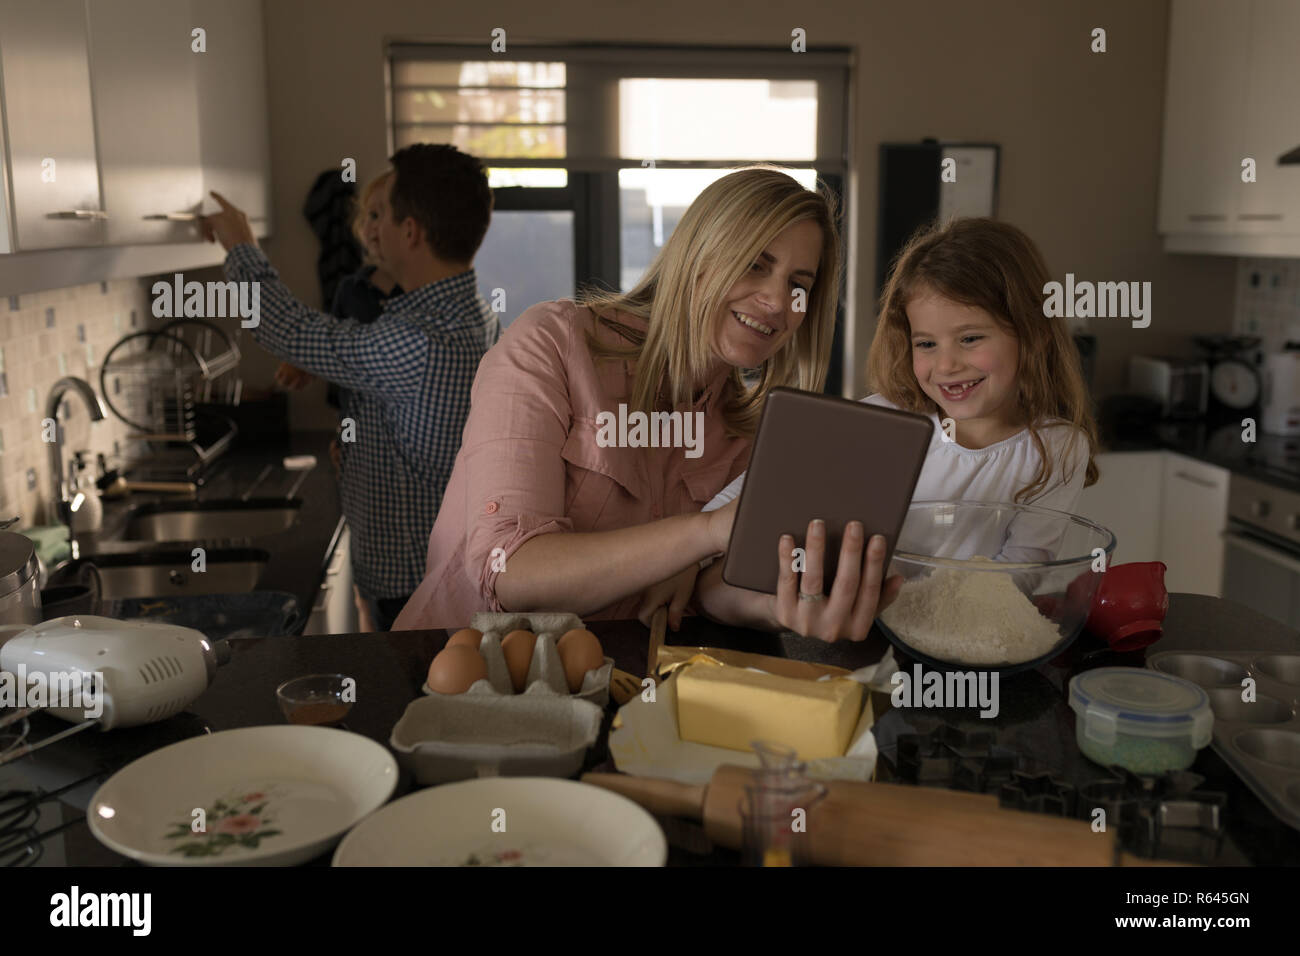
{"x": 359, "y": 209}
{"x": 995, "y": 267}
{"x": 716, "y": 242}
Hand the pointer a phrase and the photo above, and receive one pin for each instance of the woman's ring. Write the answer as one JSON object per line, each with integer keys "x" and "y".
{"x": 811, "y": 597}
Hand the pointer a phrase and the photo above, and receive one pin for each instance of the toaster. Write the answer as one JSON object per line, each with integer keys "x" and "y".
{"x": 1181, "y": 386}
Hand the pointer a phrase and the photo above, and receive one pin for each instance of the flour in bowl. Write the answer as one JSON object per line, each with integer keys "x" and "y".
{"x": 970, "y": 617}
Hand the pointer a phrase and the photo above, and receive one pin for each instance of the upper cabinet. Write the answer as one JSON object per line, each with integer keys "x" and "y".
{"x": 234, "y": 143}
{"x": 121, "y": 115}
{"x": 49, "y": 193}
{"x": 1232, "y": 94}
{"x": 1271, "y": 127}
{"x": 142, "y": 72}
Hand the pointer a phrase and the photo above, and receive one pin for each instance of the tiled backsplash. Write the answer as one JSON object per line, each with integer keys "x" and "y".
{"x": 1268, "y": 301}
{"x": 45, "y": 336}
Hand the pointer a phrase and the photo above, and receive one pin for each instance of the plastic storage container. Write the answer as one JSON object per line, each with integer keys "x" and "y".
{"x": 1143, "y": 721}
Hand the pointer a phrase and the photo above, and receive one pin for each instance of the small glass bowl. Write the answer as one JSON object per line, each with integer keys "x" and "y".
{"x": 316, "y": 699}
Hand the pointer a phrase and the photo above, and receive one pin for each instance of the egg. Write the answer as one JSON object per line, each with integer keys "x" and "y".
{"x": 518, "y": 649}
{"x": 455, "y": 669}
{"x": 580, "y": 652}
{"x": 467, "y": 636}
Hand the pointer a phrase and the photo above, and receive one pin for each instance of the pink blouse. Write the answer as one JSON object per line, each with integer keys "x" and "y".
{"x": 530, "y": 464}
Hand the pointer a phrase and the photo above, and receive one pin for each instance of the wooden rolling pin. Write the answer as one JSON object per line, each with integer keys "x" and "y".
{"x": 885, "y": 824}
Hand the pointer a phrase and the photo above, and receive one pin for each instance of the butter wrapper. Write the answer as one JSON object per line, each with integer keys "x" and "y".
{"x": 645, "y": 742}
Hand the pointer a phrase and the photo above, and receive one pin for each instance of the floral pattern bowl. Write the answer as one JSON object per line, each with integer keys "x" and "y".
{"x": 256, "y": 796}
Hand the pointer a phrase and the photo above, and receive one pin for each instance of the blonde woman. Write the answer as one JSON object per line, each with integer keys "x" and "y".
{"x": 360, "y": 296}
{"x": 543, "y": 512}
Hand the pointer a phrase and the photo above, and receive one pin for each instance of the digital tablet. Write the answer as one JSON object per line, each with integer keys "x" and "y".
{"x": 816, "y": 456}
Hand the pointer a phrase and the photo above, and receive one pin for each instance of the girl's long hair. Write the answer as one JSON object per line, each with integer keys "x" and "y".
{"x": 681, "y": 295}
{"x": 995, "y": 267}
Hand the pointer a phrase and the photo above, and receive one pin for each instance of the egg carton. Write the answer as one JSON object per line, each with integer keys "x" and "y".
{"x": 545, "y": 671}
{"x": 446, "y": 737}
{"x": 490, "y": 730}
{"x": 1259, "y": 740}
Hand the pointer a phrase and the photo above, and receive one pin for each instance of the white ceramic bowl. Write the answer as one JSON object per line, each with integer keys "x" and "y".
{"x": 507, "y": 821}
{"x": 269, "y": 796}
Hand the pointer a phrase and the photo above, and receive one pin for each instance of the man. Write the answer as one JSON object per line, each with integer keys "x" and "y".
{"x": 407, "y": 374}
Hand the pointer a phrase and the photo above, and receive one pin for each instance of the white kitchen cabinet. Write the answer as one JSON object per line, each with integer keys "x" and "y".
{"x": 49, "y": 193}
{"x": 1193, "y": 515}
{"x": 234, "y": 145}
{"x": 1232, "y": 92}
{"x": 142, "y": 72}
{"x": 1205, "y": 87}
{"x": 1126, "y": 501}
{"x": 1271, "y": 205}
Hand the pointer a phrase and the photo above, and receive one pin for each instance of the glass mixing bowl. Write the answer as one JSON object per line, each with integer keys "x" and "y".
{"x": 992, "y": 586}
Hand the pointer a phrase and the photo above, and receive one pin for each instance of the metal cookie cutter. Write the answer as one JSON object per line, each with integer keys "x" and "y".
{"x": 1038, "y": 793}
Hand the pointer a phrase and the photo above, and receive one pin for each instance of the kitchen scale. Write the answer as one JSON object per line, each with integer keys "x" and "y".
{"x": 1235, "y": 385}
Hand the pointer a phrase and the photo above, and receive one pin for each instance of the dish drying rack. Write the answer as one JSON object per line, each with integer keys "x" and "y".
{"x": 154, "y": 381}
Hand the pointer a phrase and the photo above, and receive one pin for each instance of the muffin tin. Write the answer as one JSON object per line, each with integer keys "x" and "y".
{"x": 1259, "y": 740}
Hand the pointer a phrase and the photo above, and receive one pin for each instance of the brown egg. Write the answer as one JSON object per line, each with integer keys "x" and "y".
{"x": 518, "y": 649}
{"x": 580, "y": 652}
{"x": 455, "y": 669}
{"x": 467, "y": 636}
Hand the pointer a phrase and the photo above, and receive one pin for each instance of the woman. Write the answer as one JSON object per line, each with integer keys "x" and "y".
{"x": 540, "y": 514}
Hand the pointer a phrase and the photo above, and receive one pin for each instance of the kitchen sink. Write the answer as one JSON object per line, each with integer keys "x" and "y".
{"x": 212, "y": 519}
{"x": 165, "y": 574}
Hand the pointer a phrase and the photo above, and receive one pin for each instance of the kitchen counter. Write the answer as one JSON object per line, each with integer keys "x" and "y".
{"x": 1270, "y": 458}
{"x": 297, "y": 556}
{"x": 389, "y": 668}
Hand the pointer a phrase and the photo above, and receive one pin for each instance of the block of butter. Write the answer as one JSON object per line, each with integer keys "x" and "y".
{"x": 727, "y": 706}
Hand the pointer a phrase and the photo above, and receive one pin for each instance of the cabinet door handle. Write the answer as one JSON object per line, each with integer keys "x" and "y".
{"x": 1207, "y": 217}
{"x": 322, "y": 598}
{"x": 1261, "y": 216}
{"x": 174, "y": 216}
{"x": 1203, "y": 482}
{"x": 79, "y": 214}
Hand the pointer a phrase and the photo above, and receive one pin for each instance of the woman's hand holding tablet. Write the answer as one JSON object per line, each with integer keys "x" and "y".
{"x": 860, "y": 590}
{"x": 858, "y": 594}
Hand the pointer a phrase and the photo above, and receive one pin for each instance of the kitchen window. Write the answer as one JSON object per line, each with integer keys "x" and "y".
{"x": 594, "y": 152}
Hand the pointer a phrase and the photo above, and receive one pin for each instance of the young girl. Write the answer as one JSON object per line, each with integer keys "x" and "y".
{"x": 360, "y": 296}
{"x": 962, "y": 338}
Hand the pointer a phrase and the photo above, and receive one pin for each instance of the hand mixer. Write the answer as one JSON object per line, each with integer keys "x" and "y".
{"x": 147, "y": 671}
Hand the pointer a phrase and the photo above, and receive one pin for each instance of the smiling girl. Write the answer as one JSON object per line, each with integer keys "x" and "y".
{"x": 962, "y": 337}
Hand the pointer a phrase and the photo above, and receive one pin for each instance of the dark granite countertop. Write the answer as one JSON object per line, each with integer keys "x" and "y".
{"x": 297, "y": 556}
{"x": 389, "y": 668}
{"x": 1269, "y": 458}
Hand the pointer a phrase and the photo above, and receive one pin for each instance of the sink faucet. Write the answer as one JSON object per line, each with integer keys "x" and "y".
{"x": 58, "y": 476}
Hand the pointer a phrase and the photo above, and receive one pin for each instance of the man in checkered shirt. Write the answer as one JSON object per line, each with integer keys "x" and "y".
{"x": 407, "y": 375}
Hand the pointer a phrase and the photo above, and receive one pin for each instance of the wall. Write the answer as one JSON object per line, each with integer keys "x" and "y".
{"x": 43, "y": 337}
{"x": 1268, "y": 301}
{"x": 1080, "y": 132}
